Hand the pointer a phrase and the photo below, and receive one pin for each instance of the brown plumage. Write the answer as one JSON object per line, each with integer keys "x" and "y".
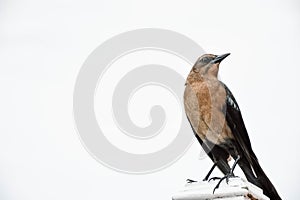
{"x": 218, "y": 125}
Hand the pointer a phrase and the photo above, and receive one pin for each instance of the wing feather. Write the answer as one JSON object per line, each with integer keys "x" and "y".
{"x": 236, "y": 123}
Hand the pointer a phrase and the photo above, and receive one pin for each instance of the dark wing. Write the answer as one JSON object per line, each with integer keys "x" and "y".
{"x": 236, "y": 123}
{"x": 237, "y": 126}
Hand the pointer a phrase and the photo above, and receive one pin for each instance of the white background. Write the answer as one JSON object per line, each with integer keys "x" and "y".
{"x": 44, "y": 43}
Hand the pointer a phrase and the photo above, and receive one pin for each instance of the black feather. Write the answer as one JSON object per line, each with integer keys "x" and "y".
{"x": 248, "y": 160}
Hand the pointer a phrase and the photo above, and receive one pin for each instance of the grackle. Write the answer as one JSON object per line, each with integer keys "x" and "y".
{"x": 217, "y": 123}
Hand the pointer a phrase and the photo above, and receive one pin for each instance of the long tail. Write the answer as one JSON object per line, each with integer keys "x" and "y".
{"x": 263, "y": 180}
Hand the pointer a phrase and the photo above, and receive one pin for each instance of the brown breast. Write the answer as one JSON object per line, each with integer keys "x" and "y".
{"x": 204, "y": 101}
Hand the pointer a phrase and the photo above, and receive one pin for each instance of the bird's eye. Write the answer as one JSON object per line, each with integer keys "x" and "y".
{"x": 205, "y": 60}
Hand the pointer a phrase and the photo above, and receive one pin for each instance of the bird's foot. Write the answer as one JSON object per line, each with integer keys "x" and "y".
{"x": 214, "y": 178}
{"x": 227, "y": 176}
{"x": 190, "y": 181}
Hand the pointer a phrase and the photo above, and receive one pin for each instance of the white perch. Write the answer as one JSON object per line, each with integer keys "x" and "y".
{"x": 236, "y": 189}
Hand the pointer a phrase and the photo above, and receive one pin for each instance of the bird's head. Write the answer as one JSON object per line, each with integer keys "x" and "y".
{"x": 208, "y": 64}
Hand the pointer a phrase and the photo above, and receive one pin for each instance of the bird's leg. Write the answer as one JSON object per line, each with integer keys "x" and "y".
{"x": 206, "y": 177}
{"x": 229, "y": 175}
{"x": 210, "y": 171}
{"x": 232, "y": 169}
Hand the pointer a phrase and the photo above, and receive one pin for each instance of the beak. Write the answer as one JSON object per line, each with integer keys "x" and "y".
{"x": 218, "y": 59}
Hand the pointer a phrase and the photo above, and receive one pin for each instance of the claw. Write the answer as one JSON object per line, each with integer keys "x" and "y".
{"x": 229, "y": 175}
{"x": 214, "y": 178}
{"x": 218, "y": 184}
{"x": 190, "y": 181}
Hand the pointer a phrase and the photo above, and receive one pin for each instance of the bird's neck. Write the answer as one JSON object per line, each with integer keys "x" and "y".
{"x": 195, "y": 77}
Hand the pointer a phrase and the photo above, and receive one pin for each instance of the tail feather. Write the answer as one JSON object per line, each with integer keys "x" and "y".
{"x": 264, "y": 181}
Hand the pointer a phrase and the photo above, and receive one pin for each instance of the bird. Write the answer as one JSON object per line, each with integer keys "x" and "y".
{"x": 216, "y": 121}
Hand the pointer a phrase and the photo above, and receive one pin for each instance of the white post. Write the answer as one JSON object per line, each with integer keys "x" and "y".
{"x": 236, "y": 189}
